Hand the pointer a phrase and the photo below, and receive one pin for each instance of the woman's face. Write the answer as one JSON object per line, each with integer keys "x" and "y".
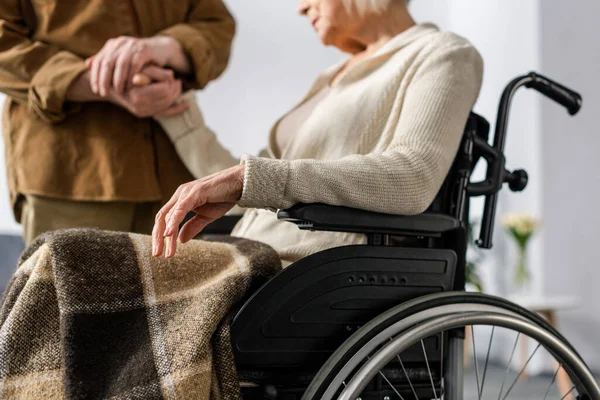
{"x": 333, "y": 20}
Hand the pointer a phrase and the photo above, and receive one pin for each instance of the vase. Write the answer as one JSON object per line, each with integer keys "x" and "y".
{"x": 521, "y": 273}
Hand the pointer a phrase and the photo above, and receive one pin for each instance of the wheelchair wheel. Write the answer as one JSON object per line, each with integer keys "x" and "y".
{"x": 379, "y": 362}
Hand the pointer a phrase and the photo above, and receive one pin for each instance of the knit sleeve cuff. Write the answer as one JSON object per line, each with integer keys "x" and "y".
{"x": 186, "y": 123}
{"x": 264, "y": 182}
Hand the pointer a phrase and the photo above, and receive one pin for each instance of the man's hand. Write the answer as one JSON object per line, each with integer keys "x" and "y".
{"x": 210, "y": 198}
{"x": 155, "y": 94}
{"x": 121, "y": 58}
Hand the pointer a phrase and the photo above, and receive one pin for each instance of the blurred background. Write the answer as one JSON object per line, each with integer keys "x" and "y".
{"x": 277, "y": 56}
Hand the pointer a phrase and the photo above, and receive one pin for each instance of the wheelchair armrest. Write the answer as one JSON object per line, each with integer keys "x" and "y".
{"x": 323, "y": 217}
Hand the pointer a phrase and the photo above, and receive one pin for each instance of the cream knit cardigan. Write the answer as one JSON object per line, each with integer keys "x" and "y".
{"x": 383, "y": 140}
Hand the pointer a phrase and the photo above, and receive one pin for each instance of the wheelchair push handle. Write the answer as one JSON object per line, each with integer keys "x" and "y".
{"x": 497, "y": 174}
{"x": 568, "y": 98}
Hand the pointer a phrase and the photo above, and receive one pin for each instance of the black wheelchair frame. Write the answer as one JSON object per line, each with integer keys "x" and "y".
{"x": 285, "y": 332}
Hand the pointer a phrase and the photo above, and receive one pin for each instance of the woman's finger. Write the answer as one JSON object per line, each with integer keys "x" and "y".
{"x": 171, "y": 246}
{"x": 181, "y": 209}
{"x": 141, "y": 79}
{"x": 158, "y": 74}
{"x": 193, "y": 227}
{"x": 139, "y": 60}
{"x": 158, "y": 231}
{"x": 204, "y": 216}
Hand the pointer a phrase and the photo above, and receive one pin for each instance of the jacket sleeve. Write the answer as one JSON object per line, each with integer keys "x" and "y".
{"x": 206, "y": 39}
{"x": 31, "y": 72}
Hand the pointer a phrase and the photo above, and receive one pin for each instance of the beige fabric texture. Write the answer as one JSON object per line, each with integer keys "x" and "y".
{"x": 382, "y": 140}
{"x": 90, "y": 314}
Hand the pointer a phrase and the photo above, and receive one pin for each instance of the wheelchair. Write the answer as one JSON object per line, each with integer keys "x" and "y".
{"x": 387, "y": 320}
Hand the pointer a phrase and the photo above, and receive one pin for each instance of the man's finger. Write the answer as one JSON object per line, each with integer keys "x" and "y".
{"x": 103, "y": 61}
{"x": 105, "y": 76}
{"x": 121, "y": 72}
{"x": 94, "y": 70}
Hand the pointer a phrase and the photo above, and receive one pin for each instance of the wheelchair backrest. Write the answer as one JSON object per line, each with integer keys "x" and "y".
{"x": 452, "y": 195}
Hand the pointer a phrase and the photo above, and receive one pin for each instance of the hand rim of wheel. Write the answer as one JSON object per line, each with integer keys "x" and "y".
{"x": 436, "y": 325}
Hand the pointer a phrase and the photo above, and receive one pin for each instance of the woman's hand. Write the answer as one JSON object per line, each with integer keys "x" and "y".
{"x": 123, "y": 57}
{"x": 210, "y": 198}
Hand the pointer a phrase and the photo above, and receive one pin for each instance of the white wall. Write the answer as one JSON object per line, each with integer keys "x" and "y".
{"x": 276, "y": 58}
{"x": 7, "y": 221}
{"x": 571, "y": 55}
{"x": 506, "y": 33}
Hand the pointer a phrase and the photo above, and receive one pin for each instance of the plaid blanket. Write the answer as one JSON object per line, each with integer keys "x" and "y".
{"x": 90, "y": 314}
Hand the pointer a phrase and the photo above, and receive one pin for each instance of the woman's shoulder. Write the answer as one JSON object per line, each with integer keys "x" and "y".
{"x": 448, "y": 43}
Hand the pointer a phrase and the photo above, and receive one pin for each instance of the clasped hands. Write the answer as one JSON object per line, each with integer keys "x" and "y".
{"x": 138, "y": 75}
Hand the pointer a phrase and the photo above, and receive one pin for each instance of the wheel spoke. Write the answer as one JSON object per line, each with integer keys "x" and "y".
{"x": 442, "y": 357}
{"x": 475, "y": 361}
{"x": 568, "y": 393}
{"x": 553, "y": 380}
{"x": 408, "y": 378}
{"x": 521, "y": 371}
{"x": 429, "y": 370}
{"x": 487, "y": 359}
{"x": 508, "y": 365}
{"x": 392, "y": 386}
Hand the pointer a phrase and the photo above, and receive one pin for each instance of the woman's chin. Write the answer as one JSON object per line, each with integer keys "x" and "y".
{"x": 326, "y": 38}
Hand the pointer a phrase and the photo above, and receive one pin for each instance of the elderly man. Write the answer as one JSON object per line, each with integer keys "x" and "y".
{"x": 82, "y": 148}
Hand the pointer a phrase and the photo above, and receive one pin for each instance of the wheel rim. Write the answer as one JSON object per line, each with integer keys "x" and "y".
{"x": 329, "y": 370}
{"x": 584, "y": 381}
{"x": 399, "y": 327}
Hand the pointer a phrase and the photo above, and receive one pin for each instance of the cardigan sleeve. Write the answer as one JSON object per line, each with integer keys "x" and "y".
{"x": 195, "y": 143}
{"x": 405, "y": 178}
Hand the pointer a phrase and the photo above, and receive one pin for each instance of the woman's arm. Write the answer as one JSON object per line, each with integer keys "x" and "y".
{"x": 407, "y": 176}
{"x": 196, "y": 144}
{"x": 402, "y": 180}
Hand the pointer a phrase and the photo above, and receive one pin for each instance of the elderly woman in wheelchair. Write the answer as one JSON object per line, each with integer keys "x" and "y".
{"x": 381, "y": 147}
{"x": 363, "y": 195}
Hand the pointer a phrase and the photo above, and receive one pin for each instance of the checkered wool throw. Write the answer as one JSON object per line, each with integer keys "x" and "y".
{"x": 90, "y": 315}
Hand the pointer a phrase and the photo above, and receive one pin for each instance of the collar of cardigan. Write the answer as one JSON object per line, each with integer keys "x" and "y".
{"x": 396, "y": 43}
